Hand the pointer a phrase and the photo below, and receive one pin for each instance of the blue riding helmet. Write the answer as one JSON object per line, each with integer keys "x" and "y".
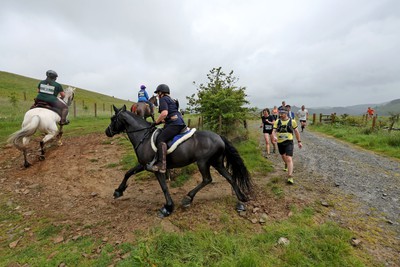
{"x": 142, "y": 87}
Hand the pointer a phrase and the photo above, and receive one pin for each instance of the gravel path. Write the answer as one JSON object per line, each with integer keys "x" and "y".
{"x": 373, "y": 179}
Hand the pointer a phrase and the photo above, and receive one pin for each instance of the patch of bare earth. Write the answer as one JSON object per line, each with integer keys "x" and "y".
{"x": 74, "y": 186}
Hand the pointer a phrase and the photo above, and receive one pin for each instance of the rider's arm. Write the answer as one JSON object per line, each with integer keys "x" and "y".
{"x": 162, "y": 116}
{"x": 62, "y": 94}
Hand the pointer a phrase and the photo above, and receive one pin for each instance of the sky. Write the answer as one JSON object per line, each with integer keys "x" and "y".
{"x": 315, "y": 53}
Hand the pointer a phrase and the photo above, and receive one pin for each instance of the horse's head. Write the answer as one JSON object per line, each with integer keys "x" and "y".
{"x": 116, "y": 126}
{"x": 153, "y": 100}
{"x": 69, "y": 95}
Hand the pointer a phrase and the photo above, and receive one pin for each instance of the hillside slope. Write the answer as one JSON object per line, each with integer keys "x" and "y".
{"x": 24, "y": 87}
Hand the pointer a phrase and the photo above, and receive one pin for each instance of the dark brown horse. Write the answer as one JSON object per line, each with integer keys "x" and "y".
{"x": 143, "y": 109}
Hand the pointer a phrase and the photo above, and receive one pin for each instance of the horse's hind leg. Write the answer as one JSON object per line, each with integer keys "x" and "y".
{"x": 240, "y": 206}
{"x": 223, "y": 171}
{"x": 25, "y": 142}
{"x": 41, "y": 157}
{"x": 119, "y": 192}
{"x": 204, "y": 169}
{"x": 26, "y": 162}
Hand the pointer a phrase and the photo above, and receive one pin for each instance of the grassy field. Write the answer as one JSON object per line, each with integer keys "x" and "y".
{"x": 359, "y": 132}
{"x": 312, "y": 243}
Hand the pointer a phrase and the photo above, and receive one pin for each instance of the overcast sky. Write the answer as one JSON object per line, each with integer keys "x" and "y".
{"x": 311, "y": 52}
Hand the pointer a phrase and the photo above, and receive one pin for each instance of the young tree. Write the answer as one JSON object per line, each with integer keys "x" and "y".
{"x": 220, "y": 98}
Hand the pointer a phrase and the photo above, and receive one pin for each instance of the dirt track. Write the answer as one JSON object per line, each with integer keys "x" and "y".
{"x": 75, "y": 185}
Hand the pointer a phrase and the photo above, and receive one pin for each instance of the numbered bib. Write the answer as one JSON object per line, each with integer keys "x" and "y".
{"x": 268, "y": 127}
{"x": 47, "y": 89}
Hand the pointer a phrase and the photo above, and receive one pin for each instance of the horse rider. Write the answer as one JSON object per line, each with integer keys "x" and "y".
{"x": 174, "y": 124}
{"x": 48, "y": 91}
{"x": 144, "y": 97}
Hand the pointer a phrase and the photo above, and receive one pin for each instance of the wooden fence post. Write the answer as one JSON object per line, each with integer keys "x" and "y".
{"x": 95, "y": 109}
{"x": 333, "y": 117}
{"x": 188, "y": 124}
{"x": 373, "y": 122}
{"x": 320, "y": 117}
{"x": 74, "y": 103}
{"x": 199, "y": 123}
{"x": 314, "y": 118}
{"x": 24, "y": 96}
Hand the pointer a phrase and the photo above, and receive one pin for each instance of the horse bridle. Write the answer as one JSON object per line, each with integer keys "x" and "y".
{"x": 133, "y": 131}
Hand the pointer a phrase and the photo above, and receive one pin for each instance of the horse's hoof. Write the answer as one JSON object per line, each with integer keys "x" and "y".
{"x": 118, "y": 194}
{"x": 42, "y": 157}
{"x": 240, "y": 207}
{"x": 186, "y": 201}
{"x": 163, "y": 212}
{"x": 27, "y": 164}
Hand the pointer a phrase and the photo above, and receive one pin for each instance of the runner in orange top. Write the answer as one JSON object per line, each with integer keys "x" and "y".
{"x": 370, "y": 112}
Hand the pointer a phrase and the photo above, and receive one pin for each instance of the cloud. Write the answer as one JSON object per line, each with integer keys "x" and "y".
{"x": 317, "y": 53}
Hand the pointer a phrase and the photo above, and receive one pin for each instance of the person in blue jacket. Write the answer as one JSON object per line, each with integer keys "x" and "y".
{"x": 144, "y": 97}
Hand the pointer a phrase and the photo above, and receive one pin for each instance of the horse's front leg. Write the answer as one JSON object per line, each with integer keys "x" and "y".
{"x": 169, "y": 205}
{"x": 59, "y": 136}
{"x": 119, "y": 192}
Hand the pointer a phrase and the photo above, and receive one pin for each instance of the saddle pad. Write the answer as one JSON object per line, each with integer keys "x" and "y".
{"x": 176, "y": 141}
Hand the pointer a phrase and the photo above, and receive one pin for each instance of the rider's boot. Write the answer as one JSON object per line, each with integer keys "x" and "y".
{"x": 64, "y": 113}
{"x": 161, "y": 165}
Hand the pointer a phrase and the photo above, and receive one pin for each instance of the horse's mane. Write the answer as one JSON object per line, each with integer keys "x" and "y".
{"x": 139, "y": 120}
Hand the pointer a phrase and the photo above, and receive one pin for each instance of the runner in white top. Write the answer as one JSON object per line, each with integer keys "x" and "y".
{"x": 302, "y": 114}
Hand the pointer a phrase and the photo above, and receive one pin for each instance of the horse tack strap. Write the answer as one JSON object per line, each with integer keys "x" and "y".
{"x": 181, "y": 138}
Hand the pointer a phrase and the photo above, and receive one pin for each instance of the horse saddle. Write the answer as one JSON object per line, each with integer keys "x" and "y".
{"x": 184, "y": 135}
{"x": 44, "y": 104}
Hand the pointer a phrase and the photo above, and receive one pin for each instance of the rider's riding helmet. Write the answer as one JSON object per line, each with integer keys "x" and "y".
{"x": 163, "y": 88}
{"x": 142, "y": 87}
{"x": 51, "y": 74}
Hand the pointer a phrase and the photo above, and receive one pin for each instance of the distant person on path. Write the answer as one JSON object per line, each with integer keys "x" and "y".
{"x": 275, "y": 113}
{"x": 283, "y": 105}
{"x": 48, "y": 90}
{"x": 290, "y": 112}
{"x": 283, "y": 131}
{"x": 370, "y": 112}
{"x": 144, "y": 97}
{"x": 302, "y": 114}
{"x": 267, "y": 125}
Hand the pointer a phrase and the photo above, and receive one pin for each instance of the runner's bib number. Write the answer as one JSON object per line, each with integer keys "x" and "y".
{"x": 47, "y": 89}
{"x": 268, "y": 127}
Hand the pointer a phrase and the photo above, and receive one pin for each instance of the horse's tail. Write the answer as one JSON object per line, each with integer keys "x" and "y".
{"x": 235, "y": 165}
{"x": 27, "y": 130}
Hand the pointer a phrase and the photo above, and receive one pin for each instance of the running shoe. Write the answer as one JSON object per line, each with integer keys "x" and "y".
{"x": 290, "y": 180}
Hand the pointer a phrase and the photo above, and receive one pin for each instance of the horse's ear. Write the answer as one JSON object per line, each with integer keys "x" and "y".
{"x": 124, "y": 108}
{"x": 115, "y": 109}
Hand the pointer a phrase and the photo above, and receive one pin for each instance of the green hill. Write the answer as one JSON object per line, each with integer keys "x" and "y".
{"x": 17, "y": 93}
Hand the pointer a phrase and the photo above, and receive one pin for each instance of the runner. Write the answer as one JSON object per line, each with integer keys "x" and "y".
{"x": 302, "y": 114}
{"x": 283, "y": 134}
